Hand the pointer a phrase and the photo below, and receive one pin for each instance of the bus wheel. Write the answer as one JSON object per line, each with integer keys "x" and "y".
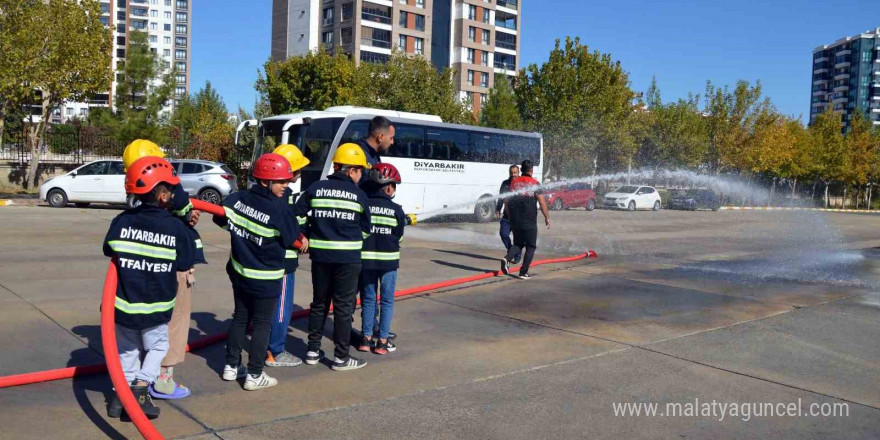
{"x": 485, "y": 210}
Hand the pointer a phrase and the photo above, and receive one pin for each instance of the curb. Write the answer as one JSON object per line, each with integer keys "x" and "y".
{"x": 771, "y": 208}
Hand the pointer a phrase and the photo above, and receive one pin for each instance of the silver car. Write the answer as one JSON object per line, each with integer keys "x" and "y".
{"x": 209, "y": 181}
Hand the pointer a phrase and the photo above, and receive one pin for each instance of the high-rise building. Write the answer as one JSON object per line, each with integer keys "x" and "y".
{"x": 477, "y": 38}
{"x": 168, "y": 27}
{"x": 846, "y": 75}
{"x": 367, "y": 30}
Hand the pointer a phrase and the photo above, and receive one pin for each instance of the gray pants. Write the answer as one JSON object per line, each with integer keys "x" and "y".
{"x": 149, "y": 344}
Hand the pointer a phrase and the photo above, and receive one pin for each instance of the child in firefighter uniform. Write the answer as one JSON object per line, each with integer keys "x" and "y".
{"x": 381, "y": 258}
{"x": 149, "y": 247}
{"x": 277, "y": 355}
{"x": 338, "y": 220}
{"x": 261, "y": 227}
{"x": 180, "y": 206}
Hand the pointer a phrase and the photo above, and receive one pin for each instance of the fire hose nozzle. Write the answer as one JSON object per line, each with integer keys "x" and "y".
{"x": 592, "y": 254}
{"x": 411, "y": 220}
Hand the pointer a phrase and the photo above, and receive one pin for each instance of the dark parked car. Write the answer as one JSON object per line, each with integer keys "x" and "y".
{"x": 693, "y": 199}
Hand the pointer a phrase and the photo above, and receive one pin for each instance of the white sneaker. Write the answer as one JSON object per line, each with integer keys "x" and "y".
{"x": 263, "y": 381}
{"x": 231, "y": 373}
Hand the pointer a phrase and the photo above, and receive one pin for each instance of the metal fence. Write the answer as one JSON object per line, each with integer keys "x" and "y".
{"x": 62, "y": 146}
{"x": 71, "y": 145}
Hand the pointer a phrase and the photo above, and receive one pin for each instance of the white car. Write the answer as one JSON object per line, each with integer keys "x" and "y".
{"x": 102, "y": 181}
{"x": 632, "y": 197}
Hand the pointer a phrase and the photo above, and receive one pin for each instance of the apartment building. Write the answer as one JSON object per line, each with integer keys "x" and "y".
{"x": 846, "y": 75}
{"x": 168, "y": 27}
{"x": 367, "y": 30}
{"x": 477, "y": 38}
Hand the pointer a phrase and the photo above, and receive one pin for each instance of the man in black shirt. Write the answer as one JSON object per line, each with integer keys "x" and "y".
{"x": 501, "y": 213}
{"x": 523, "y": 215}
{"x": 379, "y": 138}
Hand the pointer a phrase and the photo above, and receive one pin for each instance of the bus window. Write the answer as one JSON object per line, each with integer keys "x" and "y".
{"x": 488, "y": 147}
{"x": 269, "y": 137}
{"x": 409, "y": 141}
{"x": 315, "y": 141}
{"x": 520, "y": 148}
{"x": 445, "y": 144}
{"x": 355, "y": 131}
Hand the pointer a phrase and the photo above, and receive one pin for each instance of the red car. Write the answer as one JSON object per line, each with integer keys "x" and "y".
{"x": 572, "y": 196}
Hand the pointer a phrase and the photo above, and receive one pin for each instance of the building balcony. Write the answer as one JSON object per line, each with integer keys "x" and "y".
{"x": 371, "y": 15}
{"x": 841, "y": 76}
{"x": 819, "y": 82}
{"x": 382, "y": 44}
{"x": 839, "y": 100}
{"x": 506, "y": 24}
{"x": 820, "y": 92}
{"x": 818, "y": 104}
{"x": 818, "y": 71}
{"x": 841, "y": 88}
{"x": 505, "y": 66}
{"x": 842, "y": 65}
{"x": 505, "y": 44}
{"x": 843, "y": 52}
{"x": 820, "y": 60}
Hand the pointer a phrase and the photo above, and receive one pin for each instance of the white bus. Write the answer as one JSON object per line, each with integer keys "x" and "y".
{"x": 452, "y": 168}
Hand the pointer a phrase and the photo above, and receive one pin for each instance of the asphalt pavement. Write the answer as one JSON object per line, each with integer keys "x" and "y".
{"x": 682, "y": 309}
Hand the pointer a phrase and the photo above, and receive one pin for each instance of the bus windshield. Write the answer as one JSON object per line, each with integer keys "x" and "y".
{"x": 268, "y": 137}
{"x": 313, "y": 138}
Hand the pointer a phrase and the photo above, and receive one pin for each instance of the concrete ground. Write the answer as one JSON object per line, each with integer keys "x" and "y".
{"x": 681, "y": 308}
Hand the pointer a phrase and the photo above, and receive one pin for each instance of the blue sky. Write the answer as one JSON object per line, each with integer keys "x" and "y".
{"x": 683, "y": 43}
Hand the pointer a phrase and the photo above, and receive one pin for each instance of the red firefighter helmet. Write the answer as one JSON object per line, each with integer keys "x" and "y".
{"x": 145, "y": 173}
{"x": 272, "y": 166}
{"x": 384, "y": 173}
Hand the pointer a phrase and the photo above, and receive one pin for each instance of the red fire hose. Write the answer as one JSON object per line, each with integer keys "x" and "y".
{"x": 114, "y": 366}
{"x": 86, "y": 370}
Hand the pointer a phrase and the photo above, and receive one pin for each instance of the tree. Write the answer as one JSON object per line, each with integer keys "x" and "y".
{"x": 859, "y": 153}
{"x": 314, "y": 81}
{"x": 677, "y": 137}
{"x": 827, "y": 144}
{"x": 20, "y": 21}
{"x": 139, "y": 103}
{"x": 730, "y": 117}
{"x": 73, "y": 63}
{"x": 200, "y": 127}
{"x": 500, "y": 111}
{"x": 652, "y": 97}
{"x": 582, "y": 103}
{"x": 410, "y": 84}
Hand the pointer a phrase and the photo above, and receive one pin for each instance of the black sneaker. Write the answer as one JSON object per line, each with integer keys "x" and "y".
{"x": 313, "y": 357}
{"x": 349, "y": 363}
{"x": 505, "y": 266}
{"x": 384, "y": 347}
{"x": 114, "y": 407}
{"x": 145, "y": 401}
{"x": 391, "y": 335}
{"x": 516, "y": 258}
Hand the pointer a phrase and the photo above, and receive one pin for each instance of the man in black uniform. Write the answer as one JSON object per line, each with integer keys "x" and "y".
{"x": 380, "y": 137}
{"x": 523, "y": 214}
{"x": 501, "y": 213}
